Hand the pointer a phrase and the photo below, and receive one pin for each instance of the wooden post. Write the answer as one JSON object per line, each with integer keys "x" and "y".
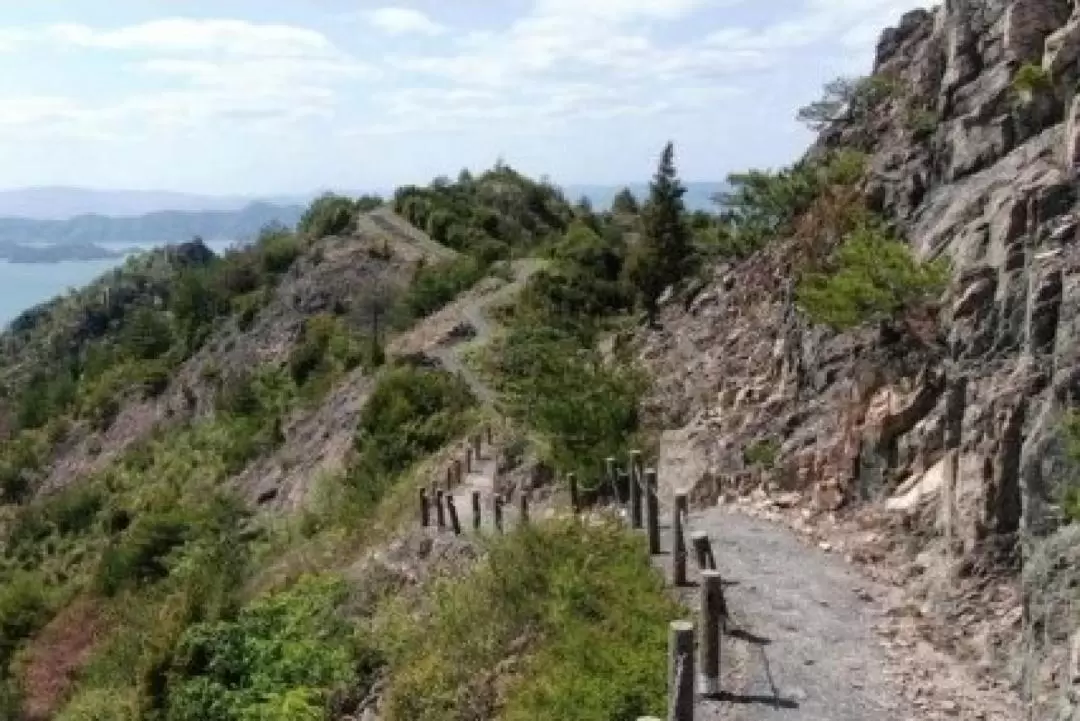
{"x": 488, "y": 429}
{"x": 476, "y": 441}
{"x": 457, "y": 472}
{"x": 468, "y": 459}
{"x": 450, "y": 476}
{"x": 712, "y": 613}
{"x": 452, "y": 508}
{"x": 636, "y": 480}
{"x": 523, "y": 503}
{"x": 575, "y": 499}
{"x": 681, "y": 671}
{"x": 703, "y": 551}
{"x": 652, "y": 502}
{"x": 613, "y": 482}
{"x": 439, "y": 515}
{"x": 498, "y": 513}
{"x": 425, "y": 509}
{"x": 476, "y": 510}
{"x": 678, "y": 544}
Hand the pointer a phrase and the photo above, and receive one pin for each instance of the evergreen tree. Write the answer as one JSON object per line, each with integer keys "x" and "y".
{"x": 625, "y": 203}
{"x": 665, "y": 254}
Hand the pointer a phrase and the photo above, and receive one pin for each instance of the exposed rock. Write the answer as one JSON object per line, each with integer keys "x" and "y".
{"x": 954, "y": 434}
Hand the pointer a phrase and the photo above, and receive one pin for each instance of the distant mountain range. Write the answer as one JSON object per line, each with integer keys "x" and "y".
{"x": 698, "y": 195}
{"x": 164, "y": 226}
{"x": 64, "y": 216}
{"x": 63, "y": 203}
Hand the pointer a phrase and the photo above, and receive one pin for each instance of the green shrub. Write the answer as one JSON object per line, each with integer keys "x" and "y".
{"x": 872, "y": 277}
{"x": 762, "y": 453}
{"x": 279, "y": 248}
{"x": 1031, "y": 78}
{"x": 412, "y": 412}
{"x": 281, "y": 658}
{"x": 583, "y": 598}
{"x": 328, "y": 214}
{"x": 434, "y": 286}
{"x": 102, "y": 704}
{"x": 141, "y": 555}
{"x": 922, "y": 122}
{"x": 584, "y": 407}
{"x": 24, "y": 608}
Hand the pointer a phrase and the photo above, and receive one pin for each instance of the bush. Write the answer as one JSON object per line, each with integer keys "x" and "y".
{"x": 24, "y": 608}
{"x": 328, "y": 214}
{"x": 278, "y": 248}
{"x": 583, "y": 604}
{"x": 141, "y": 554}
{"x": 411, "y": 413}
{"x": 434, "y": 286}
{"x": 584, "y": 408}
{"x": 872, "y": 277}
{"x": 281, "y": 658}
{"x": 762, "y": 453}
{"x": 1031, "y": 78}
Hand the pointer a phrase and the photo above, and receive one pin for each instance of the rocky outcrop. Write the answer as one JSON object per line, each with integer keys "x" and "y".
{"x": 961, "y": 432}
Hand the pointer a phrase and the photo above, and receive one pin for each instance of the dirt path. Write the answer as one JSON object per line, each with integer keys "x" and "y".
{"x": 803, "y": 641}
{"x": 475, "y": 313}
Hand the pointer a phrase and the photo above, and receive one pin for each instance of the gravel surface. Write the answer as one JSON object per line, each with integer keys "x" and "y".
{"x": 799, "y": 644}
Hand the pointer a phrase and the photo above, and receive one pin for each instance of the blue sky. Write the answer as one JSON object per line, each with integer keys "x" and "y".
{"x": 267, "y": 96}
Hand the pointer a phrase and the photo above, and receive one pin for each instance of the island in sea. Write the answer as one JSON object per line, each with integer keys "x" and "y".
{"x": 54, "y": 252}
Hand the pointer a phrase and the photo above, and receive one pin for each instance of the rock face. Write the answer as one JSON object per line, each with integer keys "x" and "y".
{"x": 963, "y": 416}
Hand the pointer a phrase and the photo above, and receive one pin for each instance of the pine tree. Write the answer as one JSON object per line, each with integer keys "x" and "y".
{"x": 665, "y": 255}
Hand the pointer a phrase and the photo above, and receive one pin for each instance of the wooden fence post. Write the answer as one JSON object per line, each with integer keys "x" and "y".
{"x": 439, "y": 514}
{"x": 613, "y": 482}
{"x": 476, "y": 441}
{"x": 652, "y": 503}
{"x": 637, "y": 480}
{"x": 523, "y": 503}
{"x": 468, "y": 459}
{"x": 624, "y": 489}
{"x": 476, "y": 510}
{"x": 678, "y": 543}
{"x": 488, "y": 429}
{"x": 425, "y": 509}
{"x": 449, "y": 476}
{"x": 703, "y": 551}
{"x": 575, "y": 500}
{"x": 452, "y": 508}
{"x": 498, "y": 513}
{"x": 712, "y": 613}
{"x": 457, "y": 472}
{"x": 681, "y": 671}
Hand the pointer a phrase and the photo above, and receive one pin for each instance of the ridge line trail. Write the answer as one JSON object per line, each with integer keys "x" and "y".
{"x": 802, "y": 641}
{"x": 482, "y": 476}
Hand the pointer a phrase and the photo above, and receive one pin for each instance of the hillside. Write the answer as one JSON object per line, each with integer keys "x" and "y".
{"x": 151, "y": 229}
{"x": 861, "y": 374}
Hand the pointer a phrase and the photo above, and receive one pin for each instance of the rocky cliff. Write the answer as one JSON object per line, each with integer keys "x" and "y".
{"x": 939, "y": 441}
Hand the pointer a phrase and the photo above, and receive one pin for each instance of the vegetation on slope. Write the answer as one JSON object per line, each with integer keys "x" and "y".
{"x": 572, "y": 613}
{"x": 170, "y": 558}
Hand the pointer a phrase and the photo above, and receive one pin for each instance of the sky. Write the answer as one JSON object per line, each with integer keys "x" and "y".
{"x": 269, "y": 96}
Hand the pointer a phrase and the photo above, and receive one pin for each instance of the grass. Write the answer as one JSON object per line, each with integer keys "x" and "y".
{"x": 572, "y": 617}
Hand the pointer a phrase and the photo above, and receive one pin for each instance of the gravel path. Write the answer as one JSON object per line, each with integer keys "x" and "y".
{"x": 800, "y": 643}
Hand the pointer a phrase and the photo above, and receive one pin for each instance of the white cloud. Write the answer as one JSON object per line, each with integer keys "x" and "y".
{"x": 404, "y": 21}
{"x": 207, "y": 72}
{"x": 183, "y": 35}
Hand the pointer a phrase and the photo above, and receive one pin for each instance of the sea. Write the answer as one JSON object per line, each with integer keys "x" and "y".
{"x": 24, "y": 285}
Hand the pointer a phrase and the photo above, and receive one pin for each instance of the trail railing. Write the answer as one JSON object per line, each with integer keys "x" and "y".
{"x": 694, "y": 650}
